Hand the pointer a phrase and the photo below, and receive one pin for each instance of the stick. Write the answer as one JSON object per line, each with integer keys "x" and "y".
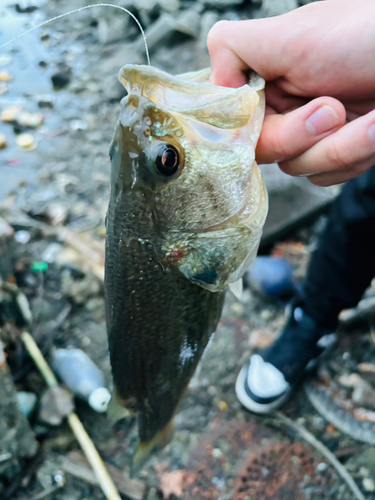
{"x": 76, "y": 464}
{"x": 104, "y": 479}
{"x": 310, "y": 438}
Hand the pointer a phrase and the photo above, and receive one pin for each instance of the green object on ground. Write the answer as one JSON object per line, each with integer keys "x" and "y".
{"x": 39, "y": 266}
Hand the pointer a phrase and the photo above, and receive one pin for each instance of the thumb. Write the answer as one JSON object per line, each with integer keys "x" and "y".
{"x": 236, "y": 46}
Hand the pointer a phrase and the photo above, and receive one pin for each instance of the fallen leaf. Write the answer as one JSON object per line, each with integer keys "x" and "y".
{"x": 171, "y": 483}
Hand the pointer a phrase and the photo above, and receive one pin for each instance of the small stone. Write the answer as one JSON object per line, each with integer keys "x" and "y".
{"x": 55, "y": 405}
{"x": 78, "y": 125}
{"x": 364, "y": 472}
{"x": 22, "y": 236}
{"x": 364, "y": 395}
{"x": 351, "y": 380}
{"x": 223, "y": 4}
{"x": 10, "y": 115}
{"x": 368, "y": 484}
{"x": 27, "y": 402}
{"x": 26, "y": 142}
{"x": 237, "y": 308}
{"x": 322, "y": 467}
{"x": 46, "y": 103}
{"x": 189, "y": 23}
{"x": 271, "y": 8}
{"x": 51, "y": 253}
{"x": 62, "y": 77}
{"x": 169, "y": 5}
{"x": 31, "y": 120}
{"x": 157, "y": 33}
{"x": 28, "y": 9}
{"x": 217, "y": 453}
{"x": 3, "y": 141}
{"x": 223, "y": 406}
{"x": 5, "y": 76}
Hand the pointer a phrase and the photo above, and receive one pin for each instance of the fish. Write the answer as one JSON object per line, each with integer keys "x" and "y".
{"x": 185, "y": 217}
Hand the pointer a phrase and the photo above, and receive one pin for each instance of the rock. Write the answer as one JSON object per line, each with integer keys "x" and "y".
{"x": 151, "y": 5}
{"x": 368, "y": 484}
{"x": 7, "y": 245}
{"x": 31, "y": 120}
{"x": 351, "y": 380}
{"x": 169, "y": 5}
{"x": 62, "y": 77}
{"x": 22, "y": 236}
{"x": 163, "y": 31}
{"x": 208, "y": 19}
{"x": 81, "y": 289}
{"x": 25, "y": 9}
{"x": 223, "y": 4}
{"x": 26, "y": 142}
{"x": 292, "y": 201}
{"x": 3, "y": 141}
{"x": 10, "y": 114}
{"x": 5, "y": 76}
{"x": 189, "y": 23}
{"x": 367, "y": 371}
{"x": 271, "y": 8}
{"x": 261, "y": 338}
{"x": 55, "y": 405}
{"x": 17, "y": 440}
{"x": 157, "y": 34}
{"x": 364, "y": 395}
{"x": 27, "y": 402}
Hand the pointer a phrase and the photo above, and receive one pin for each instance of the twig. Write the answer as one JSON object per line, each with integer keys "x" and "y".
{"x": 310, "y": 438}
{"x": 104, "y": 479}
{"x": 45, "y": 493}
{"x": 76, "y": 464}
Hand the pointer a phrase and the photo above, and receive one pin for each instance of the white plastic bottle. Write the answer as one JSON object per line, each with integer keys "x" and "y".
{"x": 82, "y": 377}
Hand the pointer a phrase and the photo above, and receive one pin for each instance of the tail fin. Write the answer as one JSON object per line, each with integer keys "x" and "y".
{"x": 146, "y": 449}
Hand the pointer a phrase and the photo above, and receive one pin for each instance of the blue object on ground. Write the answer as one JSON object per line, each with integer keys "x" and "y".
{"x": 271, "y": 276}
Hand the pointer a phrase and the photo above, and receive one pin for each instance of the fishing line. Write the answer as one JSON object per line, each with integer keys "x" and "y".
{"x": 79, "y": 10}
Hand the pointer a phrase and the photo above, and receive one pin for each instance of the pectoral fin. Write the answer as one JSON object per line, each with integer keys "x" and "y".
{"x": 237, "y": 288}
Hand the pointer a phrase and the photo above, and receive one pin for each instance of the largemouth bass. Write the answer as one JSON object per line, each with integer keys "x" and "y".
{"x": 185, "y": 217}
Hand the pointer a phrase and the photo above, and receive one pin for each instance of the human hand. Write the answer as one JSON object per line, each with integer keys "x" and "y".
{"x": 318, "y": 62}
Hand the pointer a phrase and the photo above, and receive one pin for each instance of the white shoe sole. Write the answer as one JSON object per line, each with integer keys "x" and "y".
{"x": 252, "y": 405}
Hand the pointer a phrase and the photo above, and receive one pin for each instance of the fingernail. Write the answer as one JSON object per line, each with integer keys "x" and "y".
{"x": 371, "y": 132}
{"x": 322, "y": 120}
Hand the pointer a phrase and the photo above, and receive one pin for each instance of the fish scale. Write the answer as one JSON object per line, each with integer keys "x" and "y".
{"x": 160, "y": 313}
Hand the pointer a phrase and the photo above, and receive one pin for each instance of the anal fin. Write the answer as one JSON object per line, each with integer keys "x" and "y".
{"x": 116, "y": 411}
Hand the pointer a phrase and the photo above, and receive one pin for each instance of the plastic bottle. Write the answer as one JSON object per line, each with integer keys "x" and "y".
{"x": 82, "y": 377}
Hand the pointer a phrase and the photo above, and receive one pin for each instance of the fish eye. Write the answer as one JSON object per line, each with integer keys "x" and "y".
{"x": 168, "y": 160}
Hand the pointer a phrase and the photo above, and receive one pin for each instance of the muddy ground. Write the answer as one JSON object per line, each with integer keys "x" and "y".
{"x": 63, "y": 182}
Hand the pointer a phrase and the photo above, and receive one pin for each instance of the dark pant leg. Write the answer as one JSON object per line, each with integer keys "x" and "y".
{"x": 344, "y": 264}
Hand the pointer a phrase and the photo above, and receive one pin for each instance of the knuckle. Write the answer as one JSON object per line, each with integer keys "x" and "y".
{"x": 279, "y": 147}
{"x": 215, "y": 35}
{"x": 337, "y": 155}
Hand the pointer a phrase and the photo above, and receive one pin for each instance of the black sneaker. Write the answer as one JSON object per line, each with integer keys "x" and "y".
{"x": 270, "y": 376}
